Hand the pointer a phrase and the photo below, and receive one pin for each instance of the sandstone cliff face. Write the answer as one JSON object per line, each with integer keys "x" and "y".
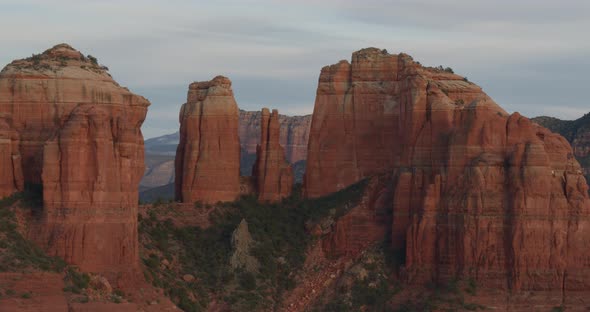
{"x": 294, "y": 133}
{"x": 208, "y": 155}
{"x": 80, "y": 138}
{"x": 11, "y": 175}
{"x": 272, "y": 172}
{"x": 577, "y": 132}
{"x": 477, "y": 193}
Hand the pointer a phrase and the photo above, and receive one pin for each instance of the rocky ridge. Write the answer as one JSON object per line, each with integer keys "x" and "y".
{"x": 477, "y": 193}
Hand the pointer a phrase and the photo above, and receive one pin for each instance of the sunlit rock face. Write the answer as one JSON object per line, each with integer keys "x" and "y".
{"x": 208, "y": 155}
{"x": 80, "y": 138}
{"x": 477, "y": 192}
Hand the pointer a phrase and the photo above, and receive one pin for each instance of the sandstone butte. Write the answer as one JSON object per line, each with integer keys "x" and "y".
{"x": 294, "y": 133}
{"x": 475, "y": 192}
{"x": 272, "y": 172}
{"x": 207, "y": 164}
{"x": 67, "y": 125}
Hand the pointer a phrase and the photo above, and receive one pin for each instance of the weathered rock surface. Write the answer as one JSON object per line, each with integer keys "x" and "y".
{"x": 577, "y": 132}
{"x": 80, "y": 138}
{"x": 208, "y": 155}
{"x": 11, "y": 175}
{"x": 294, "y": 134}
{"x": 293, "y": 137}
{"x": 477, "y": 193}
{"x": 241, "y": 257}
{"x": 272, "y": 172}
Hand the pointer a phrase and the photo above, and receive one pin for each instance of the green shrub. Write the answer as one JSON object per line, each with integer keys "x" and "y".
{"x": 93, "y": 59}
{"x": 19, "y": 253}
{"x": 247, "y": 281}
{"x": 278, "y": 229}
{"x": 116, "y": 299}
{"x": 78, "y": 279}
{"x": 471, "y": 287}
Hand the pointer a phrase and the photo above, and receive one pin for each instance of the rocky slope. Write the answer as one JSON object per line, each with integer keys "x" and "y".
{"x": 272, "y": 173}
{"x": 577, "y": 132}
{"x": 80, "y": 139}
{"x": 477, "y": 193}
{"x": 208, "y": 155}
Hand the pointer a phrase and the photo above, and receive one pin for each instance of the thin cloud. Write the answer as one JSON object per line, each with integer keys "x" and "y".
{"x": 529, "y": 55}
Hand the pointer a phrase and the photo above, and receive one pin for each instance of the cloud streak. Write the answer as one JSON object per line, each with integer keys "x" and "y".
{"x": 531, "y": 56}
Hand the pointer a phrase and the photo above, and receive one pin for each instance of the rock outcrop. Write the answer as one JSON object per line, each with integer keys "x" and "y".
{"x": 294, "y": 133}
{"x": 11, "y": 175}
{"x": 208, "y": 155}
{"x": 477, "y": 193}
{"x": 577, "y": 132}
{"x": 242, "y": 242}
{"x": 80, "y": 138}
{"x": 272, "y": 172}
{"x": 293, "y": 137}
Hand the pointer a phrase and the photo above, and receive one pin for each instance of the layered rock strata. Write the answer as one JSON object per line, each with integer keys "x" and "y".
{"x": 11, "y": 175}
{"x": 80, "y": 139}
{"x": 272, "y": 172}
{"x": 577, "y": 132}
{"x": 208, "y": 156}
{"x": 477, "y": 193}
{"x": 294, "y": 133}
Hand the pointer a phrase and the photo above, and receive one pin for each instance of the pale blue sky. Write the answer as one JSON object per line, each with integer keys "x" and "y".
{"x": 531, "y": 56}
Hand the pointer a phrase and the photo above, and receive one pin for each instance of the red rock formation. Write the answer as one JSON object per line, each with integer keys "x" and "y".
{"x": 273, "y": 174}
{"x": 477, "y": 193}
{"x": 294, "y": 133}
{"x": 11, "y": 175}
{"x": 577, "y": 132}
{"x": 364, "y": 225}
{"x": 208, "y": 156}
{"x": 80, "y": 137}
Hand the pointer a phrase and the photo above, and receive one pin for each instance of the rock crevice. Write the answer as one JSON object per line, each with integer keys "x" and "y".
{"x": 272, "y": 172}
